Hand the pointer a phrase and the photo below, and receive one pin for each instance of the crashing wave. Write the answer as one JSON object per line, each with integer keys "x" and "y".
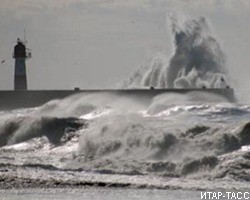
{"x": 132, "y": 146}
{"x": 22, "y": 129}
{"x": 198, "y": 61}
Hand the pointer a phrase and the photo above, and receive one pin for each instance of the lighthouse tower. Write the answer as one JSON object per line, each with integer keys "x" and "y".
{"x": 21, "y": 54}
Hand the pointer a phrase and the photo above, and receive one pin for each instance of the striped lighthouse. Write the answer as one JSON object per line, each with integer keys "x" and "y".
{"x": 21, "y": 53}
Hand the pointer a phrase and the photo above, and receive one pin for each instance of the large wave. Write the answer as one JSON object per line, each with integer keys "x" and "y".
{"x": 198, "y": 60}
{"x": 135, "y": 145}
{"x": 20, "y": 129}
{"x": 125, "y": 135}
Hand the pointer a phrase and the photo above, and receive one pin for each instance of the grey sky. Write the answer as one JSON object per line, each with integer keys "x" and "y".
{"x": 96, "y": 43}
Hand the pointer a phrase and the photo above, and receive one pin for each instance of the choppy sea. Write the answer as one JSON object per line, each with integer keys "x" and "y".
{"x": 125, "y": 145}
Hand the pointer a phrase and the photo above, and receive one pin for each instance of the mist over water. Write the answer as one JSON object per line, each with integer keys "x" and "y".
{"x": 198, "y": 60}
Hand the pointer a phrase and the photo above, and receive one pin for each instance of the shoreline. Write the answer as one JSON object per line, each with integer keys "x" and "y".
{"x": 21, "y": 177}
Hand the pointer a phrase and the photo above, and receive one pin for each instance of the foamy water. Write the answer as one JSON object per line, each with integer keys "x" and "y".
{"x": 159, "y": 145}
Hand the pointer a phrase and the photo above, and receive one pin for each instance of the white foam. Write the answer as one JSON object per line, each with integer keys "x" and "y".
{"x": 18, "y": 147}
{"x": 245, "y": 148}
{"x": 96, "y": 114}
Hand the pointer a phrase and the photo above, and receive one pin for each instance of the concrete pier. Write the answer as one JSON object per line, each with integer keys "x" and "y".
{"x": 33, "y": 98}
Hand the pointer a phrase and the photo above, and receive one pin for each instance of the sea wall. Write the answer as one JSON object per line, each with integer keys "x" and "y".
{"x": 33, "y": 98}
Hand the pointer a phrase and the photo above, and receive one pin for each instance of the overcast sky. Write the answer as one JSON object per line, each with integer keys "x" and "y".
{"x": 97, "y": 43}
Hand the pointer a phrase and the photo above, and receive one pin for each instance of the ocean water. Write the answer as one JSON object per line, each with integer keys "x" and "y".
{"x": 111, "y": 141}
{"x": 98, "y": 193}
{"x": 109, "y": 146}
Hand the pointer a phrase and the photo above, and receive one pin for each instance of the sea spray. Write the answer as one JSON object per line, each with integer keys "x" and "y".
{"x": 52, "y": 119}
{"x": 134, "y": 144}
{"x": 163, "y": 138}
{"x": 198, "y": 60}
{"x": 84, "y": 103}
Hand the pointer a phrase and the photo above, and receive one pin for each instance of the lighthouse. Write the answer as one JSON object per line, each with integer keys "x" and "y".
{"x": 21, "y": 54}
